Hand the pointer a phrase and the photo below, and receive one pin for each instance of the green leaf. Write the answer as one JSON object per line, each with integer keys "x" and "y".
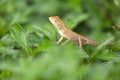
{"x": 76, "y": 19}
{"x": 6, "y": 50}
{"x": 99, "y": 48}
{"x": 43, "y": 47}
{"x": 20, "y": 36}
{"x": 44, "y": 30}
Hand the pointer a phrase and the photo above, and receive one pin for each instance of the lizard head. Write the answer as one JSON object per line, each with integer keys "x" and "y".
{"x": 57, "y": 22}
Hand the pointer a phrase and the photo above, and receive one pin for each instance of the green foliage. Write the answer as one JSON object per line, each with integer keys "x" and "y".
{"x": 27, "y": 40}
{"x": 19, "y": 35}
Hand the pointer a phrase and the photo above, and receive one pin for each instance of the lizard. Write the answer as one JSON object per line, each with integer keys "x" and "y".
{"x": 69, "y": 34}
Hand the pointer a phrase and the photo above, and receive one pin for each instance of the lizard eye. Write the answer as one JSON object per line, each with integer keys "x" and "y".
{"x": 55, "y": 20}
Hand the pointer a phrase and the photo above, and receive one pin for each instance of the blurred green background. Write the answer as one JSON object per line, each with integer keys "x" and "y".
{"x": 27, "y": 40}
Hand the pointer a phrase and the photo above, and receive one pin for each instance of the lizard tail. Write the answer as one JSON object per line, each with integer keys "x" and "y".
{"x": 96, "y": 43}
{"x": 92, "y": 42}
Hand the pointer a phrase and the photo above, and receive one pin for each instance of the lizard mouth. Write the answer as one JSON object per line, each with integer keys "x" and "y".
{"x": 50, "y": 18}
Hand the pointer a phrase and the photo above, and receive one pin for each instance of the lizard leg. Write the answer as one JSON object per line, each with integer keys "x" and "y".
{"x": 66, "y": 41}
{"x": 59, "y": 40}
{"x": 80, "y": 43}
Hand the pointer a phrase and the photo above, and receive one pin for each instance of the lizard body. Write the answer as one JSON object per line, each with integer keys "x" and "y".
{"x": 69, "y": 34}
